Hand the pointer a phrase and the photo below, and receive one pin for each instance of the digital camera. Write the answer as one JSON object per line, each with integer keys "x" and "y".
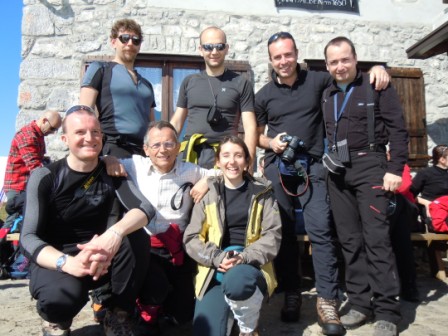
{"x": 295, "y": 146}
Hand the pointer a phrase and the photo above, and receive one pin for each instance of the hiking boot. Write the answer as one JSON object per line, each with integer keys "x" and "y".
{"x": 99, "y": 312}
{"x": 117, "y": 323}
{"x": 253, "y": 333}
{"x": 353, "y": 319}
{"x": 384, "y": 328}
{"x": 328, "y": 318}
{"x": 148, "y": 320}
{"x": 291, "y": 308}
{"x": 143, "y": 328}
{"x": 56, "y": 329}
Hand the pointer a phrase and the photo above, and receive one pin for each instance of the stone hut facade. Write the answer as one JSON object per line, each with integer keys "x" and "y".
{"x": 58, "y": 36}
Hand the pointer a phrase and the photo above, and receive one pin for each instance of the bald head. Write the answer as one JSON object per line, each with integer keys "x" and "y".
{"x": 49, "y": 122}
{"x": 212, "y": 31}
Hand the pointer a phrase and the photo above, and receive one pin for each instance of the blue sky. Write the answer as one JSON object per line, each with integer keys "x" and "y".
{"x": 10, "y": 25}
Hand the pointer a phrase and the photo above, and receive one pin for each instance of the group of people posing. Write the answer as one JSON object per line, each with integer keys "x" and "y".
{"x": 152, "y": 226}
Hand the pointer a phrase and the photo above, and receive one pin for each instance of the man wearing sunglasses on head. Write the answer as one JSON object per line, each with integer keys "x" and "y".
{"x": 125, "y": 103}
{"x": 291, "y": 104}
{"x": 215, "y": 101}
{"x": 123, "y": 98}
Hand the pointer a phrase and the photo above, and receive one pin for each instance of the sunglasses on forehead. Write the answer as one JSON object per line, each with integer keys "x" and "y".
{"x": 79, "y": 108}
{"x": 279, "y": 35}
{"x": 124, "y": 38}
{"x": 211, "y": 46}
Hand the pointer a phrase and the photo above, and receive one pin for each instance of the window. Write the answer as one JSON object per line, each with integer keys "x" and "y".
{"x": 166, "y": 73}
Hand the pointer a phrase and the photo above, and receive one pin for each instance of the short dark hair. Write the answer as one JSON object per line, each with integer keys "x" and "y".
{"x": 337, "y": 42}
{"x": 281, "y": 36}
{"x": 159, "y": 125}
{"x": 439, "y": 152}
{"x": 126, "y": 24}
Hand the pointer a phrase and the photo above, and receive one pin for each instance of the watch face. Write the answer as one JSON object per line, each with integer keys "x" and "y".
{"x": 61, "y": 262}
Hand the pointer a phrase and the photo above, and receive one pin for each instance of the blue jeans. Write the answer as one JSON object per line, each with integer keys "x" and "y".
{"x": 212, "y": 313}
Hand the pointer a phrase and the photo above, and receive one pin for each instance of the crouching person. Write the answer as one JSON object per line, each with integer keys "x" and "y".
{"x": 66, "y": 234}
{"x": 234, "y": 234}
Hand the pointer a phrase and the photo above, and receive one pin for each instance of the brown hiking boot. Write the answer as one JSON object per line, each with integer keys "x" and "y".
{"x": 328, "y": 318}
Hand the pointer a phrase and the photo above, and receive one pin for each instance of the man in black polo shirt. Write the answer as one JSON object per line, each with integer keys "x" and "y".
{"x": 291, "y": 104}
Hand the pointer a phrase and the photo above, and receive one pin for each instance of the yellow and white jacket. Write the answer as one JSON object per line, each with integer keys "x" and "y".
{"x": 203, "y": 236}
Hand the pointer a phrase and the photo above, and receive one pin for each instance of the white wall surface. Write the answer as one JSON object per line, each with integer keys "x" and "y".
{"x": 398, "y": 11}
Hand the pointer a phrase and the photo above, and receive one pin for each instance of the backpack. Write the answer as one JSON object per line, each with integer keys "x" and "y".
{"x": 438, "y": 209}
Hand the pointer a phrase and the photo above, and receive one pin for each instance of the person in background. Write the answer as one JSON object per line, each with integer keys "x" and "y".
{"x": 404, "y": 219}
{"x": 123, "y": 98}
{"x": 233, "y": 235}
{"x": 290, "y": 104}
{"x": 66, "y": 235}
{"x": 432, "y": 182}
{"x": 27, "y": 152}
{"x": 164, "y": 180}
{"x": 215, "y": 101}
{"x": 359, "y": 123}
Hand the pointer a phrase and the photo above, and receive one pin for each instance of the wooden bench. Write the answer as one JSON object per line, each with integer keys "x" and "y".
{"x": 436, "y": 244}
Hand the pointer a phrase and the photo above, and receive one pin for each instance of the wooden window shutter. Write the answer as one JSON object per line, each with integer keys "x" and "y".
{"x": 410, "y": 87}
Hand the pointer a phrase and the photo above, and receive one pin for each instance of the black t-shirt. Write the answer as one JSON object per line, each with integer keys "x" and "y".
{"x": 431, "y": 182}
{"x": 234, "y": 94}
{"x": 237, "y": 204}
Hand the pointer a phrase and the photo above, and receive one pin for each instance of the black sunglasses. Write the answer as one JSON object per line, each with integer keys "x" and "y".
{"x": 211, "y": 46}
{"x": 79, "y": 108}
{"x": 52, "y": 129}
{"x": 279, "y": 35}
{"x": 124, "y": 38}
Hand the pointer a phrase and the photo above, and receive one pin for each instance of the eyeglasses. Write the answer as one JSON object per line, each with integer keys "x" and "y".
{"x": 279, "y": 35}
{"x": 52, "y": 129}
{"x": 165, "y": 144}
{"x": 211, "y": 46}
{"x": 124, "y": 38}
{"x": 79, "y": 108}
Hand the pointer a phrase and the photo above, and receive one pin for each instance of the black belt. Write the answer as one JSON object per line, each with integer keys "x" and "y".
{"x": 371, "y": 148}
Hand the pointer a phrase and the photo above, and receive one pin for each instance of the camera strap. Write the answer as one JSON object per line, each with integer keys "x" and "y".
{"x": 303, "y": 174}
{"x": 338, "y": 113}
{"x": 371, "y": 117}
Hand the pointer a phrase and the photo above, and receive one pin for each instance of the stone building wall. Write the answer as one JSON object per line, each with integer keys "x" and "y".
{"x": 57, "y": 35}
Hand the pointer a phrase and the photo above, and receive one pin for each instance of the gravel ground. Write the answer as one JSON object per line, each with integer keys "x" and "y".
{"x": 19, "y": 317}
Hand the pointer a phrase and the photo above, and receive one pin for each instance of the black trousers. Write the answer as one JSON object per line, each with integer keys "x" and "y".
{"x": 61, "y": 296}
{"x": 170, "y": 286}
{"x": 360, "y": 214}
{"x": 318, "y": 225}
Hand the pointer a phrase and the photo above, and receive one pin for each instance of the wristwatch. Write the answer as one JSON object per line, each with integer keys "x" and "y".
{"x": 60, "y": 262}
